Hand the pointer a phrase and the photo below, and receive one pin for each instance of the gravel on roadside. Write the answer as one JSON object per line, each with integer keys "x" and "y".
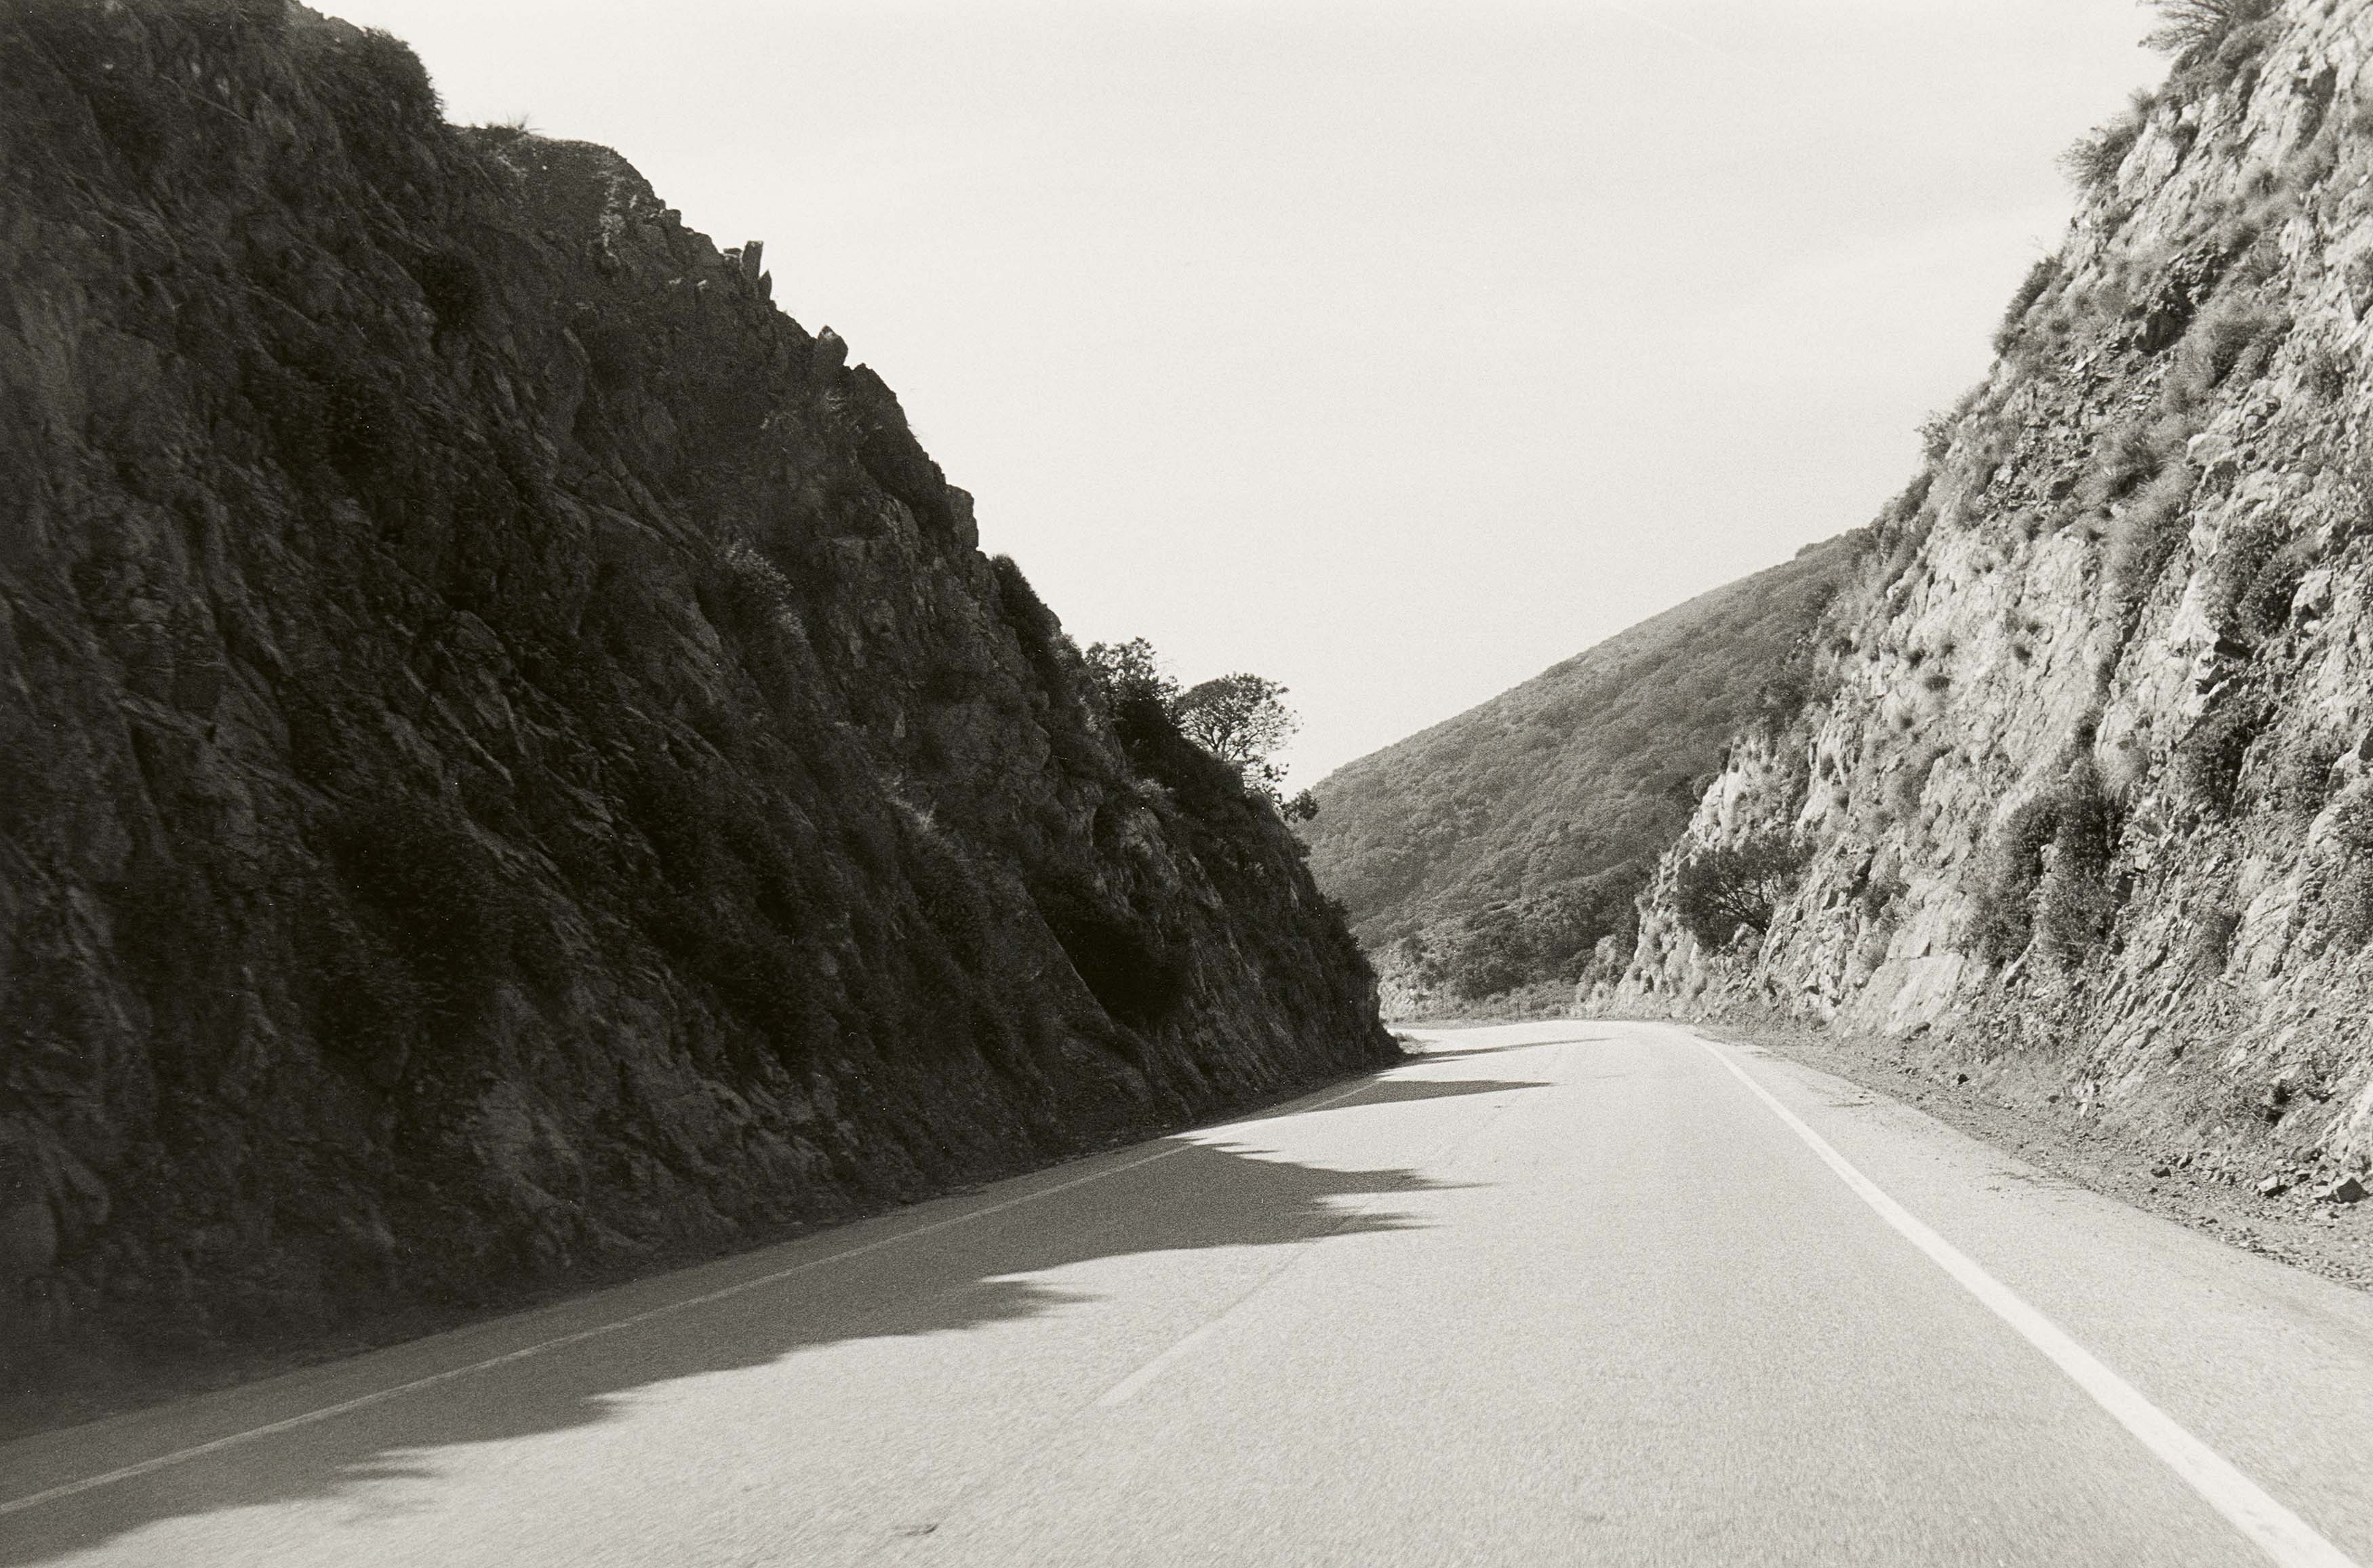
{"x": 2283, "y": 1214}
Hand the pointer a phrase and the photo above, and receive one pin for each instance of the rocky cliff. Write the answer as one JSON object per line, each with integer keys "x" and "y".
{"x": 512, "y": 758}
{"x": 2083, "y": 806}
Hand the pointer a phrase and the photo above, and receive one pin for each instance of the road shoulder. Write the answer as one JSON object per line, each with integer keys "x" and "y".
{"x": 2334, "y": 1241}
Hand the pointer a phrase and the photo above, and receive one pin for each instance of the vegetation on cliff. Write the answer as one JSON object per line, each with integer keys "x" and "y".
{"x": 512, "y": 759}
{"x": 1240, "y": 718}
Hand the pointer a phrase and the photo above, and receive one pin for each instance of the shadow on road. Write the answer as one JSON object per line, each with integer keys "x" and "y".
{"x": 961, "y": 1275}
{"x": 1396, "y": 1091}
{"x": 1464, "y": 1053}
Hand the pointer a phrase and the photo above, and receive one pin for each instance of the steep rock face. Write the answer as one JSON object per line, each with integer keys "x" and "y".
{"x": 510, "y": 755}
{"x": 2087, "y": 806}
{"x": 1502, "y": 846}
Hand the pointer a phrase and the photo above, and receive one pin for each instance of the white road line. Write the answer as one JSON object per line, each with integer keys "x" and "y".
{"x": 1128, "y": 1388}
{"x": 381, "y": 1397}
{"x": 2283, "y": 1534}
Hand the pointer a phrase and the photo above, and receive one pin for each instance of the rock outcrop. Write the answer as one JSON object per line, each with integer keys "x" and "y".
{"x": 2085, "y": 804}
{"x": 511, "y": 759}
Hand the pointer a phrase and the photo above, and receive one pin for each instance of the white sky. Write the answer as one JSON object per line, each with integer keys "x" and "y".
{"x": 1393, "y": 350}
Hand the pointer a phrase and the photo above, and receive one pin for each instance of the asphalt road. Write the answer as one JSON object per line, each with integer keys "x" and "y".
{"x": 1562, "y": 1292}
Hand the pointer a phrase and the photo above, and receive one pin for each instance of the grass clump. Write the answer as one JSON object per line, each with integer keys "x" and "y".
{"x": 2039, "y": 281}
{"x": 2230, "y": 341}
{"x": 2094, "y": 160}
{"x": 2130, "y": 454}
{"x": 1909, "y": 784}
{"x": 2344, "y": 892}
{"x": 2209, "y": 944}
{"x": 746, "y": 593}
{"x": 2146, "y": 533}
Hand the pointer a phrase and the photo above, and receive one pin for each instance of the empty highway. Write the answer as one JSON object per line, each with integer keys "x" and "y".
{"x": 1561, "y": 1292}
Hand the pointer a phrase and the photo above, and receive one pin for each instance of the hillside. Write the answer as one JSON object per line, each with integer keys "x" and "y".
{"x": 1498, "y": 848}
{"x": 514, "y": 767}
{"x": 2082, "y": 809}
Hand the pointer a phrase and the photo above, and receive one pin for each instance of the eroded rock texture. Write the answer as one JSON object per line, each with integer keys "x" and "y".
{"x": 2087, "y": 801}
{"x": 510, "y": 754}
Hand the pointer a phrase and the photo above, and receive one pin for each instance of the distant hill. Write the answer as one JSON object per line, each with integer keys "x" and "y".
{"x": 1497, "y": 848}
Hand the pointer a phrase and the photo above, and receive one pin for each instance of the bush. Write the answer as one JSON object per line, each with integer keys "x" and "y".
{"x": 2076, "y": 900}
{"x": 1240, "y": 718}
{"x": 2207, "y": 765}
{"x": 1482, "y": 955}
{"x": 2189, "y": 27}
{"x": 454, "y": 288}
{"x": 2346, "y": 901}
{"x": 1136, "y": 976}
{"x": 381, "y": 96}
{"x": 420, "y": 862}
{"x": 2327, "y": 374}
{"x": 1786, "y": 689}
{"x": 2345, "y": 894}
{"x": 1035, "y": 630}
{"x": 2001, "y": 918}
{"x": 1128, "y": 672}
{"x": 746, "y": 593}
{"x": 2046, "y": 873}
{"x": 2252, "y": 580}
{"x": 2263, "y": 608}
{"x": 1719, "y": 890}
{"x": 2303, "y": 775}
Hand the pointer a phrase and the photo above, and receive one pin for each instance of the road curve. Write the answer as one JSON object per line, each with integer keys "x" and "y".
{"x": 1563, "y": 1293}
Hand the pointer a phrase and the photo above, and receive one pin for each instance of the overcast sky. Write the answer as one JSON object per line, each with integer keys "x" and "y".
{"x": 1395, "y": 351}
